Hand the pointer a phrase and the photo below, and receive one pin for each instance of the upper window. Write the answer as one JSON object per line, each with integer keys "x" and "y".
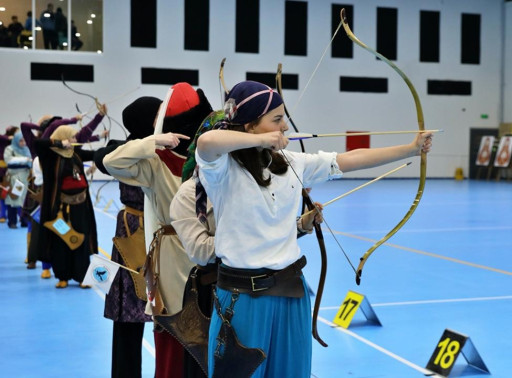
{"x": 70, "y": 25}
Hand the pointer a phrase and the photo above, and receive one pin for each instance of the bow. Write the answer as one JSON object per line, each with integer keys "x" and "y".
{"x": 421, "y": 127}
{"x": 308, "y": 202}
{"x": 98, "y": 107}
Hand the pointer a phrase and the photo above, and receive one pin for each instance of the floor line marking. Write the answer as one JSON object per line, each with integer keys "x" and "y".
{"x": 430, "y": 301}
{"x": 379, "y": 348}
{"x": 462, "y": 262}
{"x": 104, "y": 213}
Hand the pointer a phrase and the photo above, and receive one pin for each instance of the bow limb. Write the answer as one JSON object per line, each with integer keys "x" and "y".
{"x": 98, "y": 106}
{"x": 307, "y": 202}
{"x": 421, "y": 127}
{"x": 224, "y": 90}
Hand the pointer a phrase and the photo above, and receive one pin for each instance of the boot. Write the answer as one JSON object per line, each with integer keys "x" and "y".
{"x": 46, "y": 273}
{"x": 61, "y": 284}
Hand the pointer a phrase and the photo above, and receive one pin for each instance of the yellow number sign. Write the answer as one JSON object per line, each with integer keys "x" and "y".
{"x": 348, "y": 309}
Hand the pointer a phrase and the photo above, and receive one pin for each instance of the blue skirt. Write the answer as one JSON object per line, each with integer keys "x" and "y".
{"x": 280, "y": 326}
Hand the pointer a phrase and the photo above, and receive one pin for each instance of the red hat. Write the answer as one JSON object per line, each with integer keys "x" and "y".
{"x": 183, "y": 98}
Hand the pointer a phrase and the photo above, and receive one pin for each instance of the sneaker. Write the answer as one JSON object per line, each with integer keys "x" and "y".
{"x": 31, "y": 265}
{"x": 61, "y": 284}
{"x": 46, "y": 273}
{"x": 84, "y": 286}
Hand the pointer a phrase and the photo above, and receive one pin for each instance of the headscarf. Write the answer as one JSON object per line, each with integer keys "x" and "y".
{"x": 248, "y": 101}
{"x": 139, "y": 116}
{"x": 15, "y": 144}
{"x": 63, "y": 133}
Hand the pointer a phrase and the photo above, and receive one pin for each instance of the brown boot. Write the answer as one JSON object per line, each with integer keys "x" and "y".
{"x": 61, "y": 284}
{"x": 46, "y": 273}
{"x": 31, "y": 265}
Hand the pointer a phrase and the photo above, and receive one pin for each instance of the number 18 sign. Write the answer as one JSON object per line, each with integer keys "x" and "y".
{"x": 447, "y": 350}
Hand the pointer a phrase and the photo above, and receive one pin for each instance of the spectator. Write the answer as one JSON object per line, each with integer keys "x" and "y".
{"x": 61, "y": 27}
{"x": 14, "y": 30}
{"x": 47, "y": 19}
{"x": 76, "y": 43}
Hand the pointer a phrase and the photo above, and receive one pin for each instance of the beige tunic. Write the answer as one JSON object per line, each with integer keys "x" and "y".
{"x": 136, "y": 163}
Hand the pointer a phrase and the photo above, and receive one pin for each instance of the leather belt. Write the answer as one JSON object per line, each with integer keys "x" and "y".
{"x": 286, "y": 282}
{"x": 168, "y": 230}
{"x": 73, "y": 199}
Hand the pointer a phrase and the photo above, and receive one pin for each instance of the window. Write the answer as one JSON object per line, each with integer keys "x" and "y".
{"x": 69, "y": 25}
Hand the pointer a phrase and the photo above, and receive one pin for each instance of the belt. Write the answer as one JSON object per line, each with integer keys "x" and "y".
{"x": 286, "y": 282}
{"x": 168, "y": 230}
{"x": 73, "y": 199}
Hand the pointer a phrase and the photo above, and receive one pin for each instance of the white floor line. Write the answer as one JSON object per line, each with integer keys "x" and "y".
{"x": 105, "y": 213}
{"x": 379, "y": 348}
{"x": 431, "y": 301}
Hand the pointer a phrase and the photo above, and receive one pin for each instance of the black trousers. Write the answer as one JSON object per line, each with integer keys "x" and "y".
{"x": 127, "y": 350}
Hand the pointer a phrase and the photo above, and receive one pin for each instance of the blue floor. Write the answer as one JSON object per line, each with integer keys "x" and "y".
{"x": 449, "y": 267}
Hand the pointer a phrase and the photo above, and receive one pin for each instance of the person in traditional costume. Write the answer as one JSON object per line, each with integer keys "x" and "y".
{"x": 126, "y": 301}
{"x": 68, "y": 236}
{"x": 45, "y": 126}
{"x": 247, "y": 175}
{"x": 194, "y": 223}
{"x": 5, "y": 140}
{"x": 155, "y": 164}
{"x": 19, "y": 163}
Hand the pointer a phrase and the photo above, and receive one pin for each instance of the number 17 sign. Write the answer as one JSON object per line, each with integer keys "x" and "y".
{"x": 348, "y": 308}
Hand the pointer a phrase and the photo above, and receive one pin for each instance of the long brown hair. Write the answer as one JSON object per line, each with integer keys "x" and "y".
{"x": 255, "y": 161}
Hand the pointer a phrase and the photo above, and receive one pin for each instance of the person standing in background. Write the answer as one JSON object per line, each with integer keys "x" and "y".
{"x": 47, "y": 19}
{"x": 61, "y": 27}
{"x": 14, "y": 29}
{"x": 19, "y": 162}
{"x": 5, "y": 140}
{"x": 69, "y": 235}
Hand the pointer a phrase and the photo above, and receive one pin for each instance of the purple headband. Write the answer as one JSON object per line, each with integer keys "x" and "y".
{"x": 249, "y": 100}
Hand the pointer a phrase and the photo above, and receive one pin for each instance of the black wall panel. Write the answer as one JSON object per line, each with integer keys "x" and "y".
{"x": 470, "y": 39}
{"x": 363, "y": 84}
{"x": 143, "y": 23}
{"x": 288, "y": 81}
{"x": 56, "y": 71}
{"x": 296, "y": 28}
{"x": 387, "y": 30}
{"x": 429, "y": 36}
{"x": 197, "y": 24}
{"x": 168, "y": 76}
{"x": 449, "y": 87}
{"x": 247, "y": 26}
{"x": 342, "y": 46}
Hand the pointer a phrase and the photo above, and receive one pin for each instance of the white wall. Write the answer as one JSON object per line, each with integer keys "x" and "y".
{"x": 323, "y": 108}
{"x": 507, "y": 97}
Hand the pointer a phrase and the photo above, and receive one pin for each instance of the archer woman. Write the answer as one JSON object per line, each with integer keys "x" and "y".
{"x": 255, "y": 188}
